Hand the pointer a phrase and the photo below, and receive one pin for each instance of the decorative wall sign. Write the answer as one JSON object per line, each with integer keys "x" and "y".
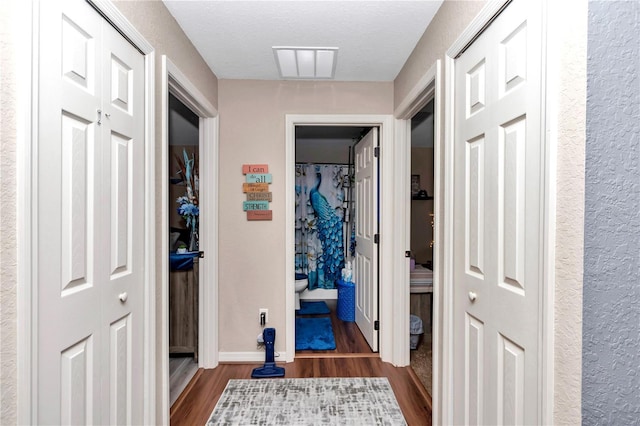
{"x": 258, "y": 196}
{"x": 255, "y": 168}
{"x": 259, "y": 178}
{"x": 256, "y": 186}
{"x": 255, "y": 205}
{"x": 260, "y": 215}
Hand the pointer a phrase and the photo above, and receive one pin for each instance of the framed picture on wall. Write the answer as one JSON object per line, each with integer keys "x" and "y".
{"x": 415, "y": 184}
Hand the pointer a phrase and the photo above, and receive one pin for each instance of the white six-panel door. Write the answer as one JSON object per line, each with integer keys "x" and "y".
{"x": 366, "y": 261}
{"x": 90, "y": 220}
{"x": 498, "y": 225}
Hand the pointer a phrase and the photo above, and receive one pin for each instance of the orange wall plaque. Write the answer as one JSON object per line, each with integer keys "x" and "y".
{"x": 255, "y": 187}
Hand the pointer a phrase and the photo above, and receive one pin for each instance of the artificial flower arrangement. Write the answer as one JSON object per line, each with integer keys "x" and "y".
{"x": 188, "y": 203}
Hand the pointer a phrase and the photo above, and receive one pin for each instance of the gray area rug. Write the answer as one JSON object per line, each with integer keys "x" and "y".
{"x": 322, "y": 401}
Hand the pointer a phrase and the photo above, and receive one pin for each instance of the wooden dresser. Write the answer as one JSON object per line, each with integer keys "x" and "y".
{"x": 183, "y": 311}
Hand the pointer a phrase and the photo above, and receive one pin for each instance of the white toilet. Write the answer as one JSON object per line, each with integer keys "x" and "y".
{"x": 302, "y": 281}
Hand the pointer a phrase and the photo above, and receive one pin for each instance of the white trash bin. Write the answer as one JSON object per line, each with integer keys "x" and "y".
{"x": 415, "y": 328}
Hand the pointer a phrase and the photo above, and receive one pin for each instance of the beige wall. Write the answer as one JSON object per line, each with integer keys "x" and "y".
{"x": 252, "y": 130}
{"x": 451, "y": 19}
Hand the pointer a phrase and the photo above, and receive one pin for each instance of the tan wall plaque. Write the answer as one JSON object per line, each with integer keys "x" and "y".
{"x": 259, "y": 196}
{"x": 255, "y": 187}
{"x": 260, "y": 215}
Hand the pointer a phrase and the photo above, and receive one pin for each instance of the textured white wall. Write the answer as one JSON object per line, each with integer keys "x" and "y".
{"x": 10, "y": 21}
{"x": 567, "y": 45}
{"x": 611, "y": 333}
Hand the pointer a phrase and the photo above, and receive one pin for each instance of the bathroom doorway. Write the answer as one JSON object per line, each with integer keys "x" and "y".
{"x": 325, "y": 173}
{"x": 422, "y": 243}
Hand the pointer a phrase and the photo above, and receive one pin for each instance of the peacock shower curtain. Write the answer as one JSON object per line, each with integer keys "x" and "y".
{"x": 320, "y": 210}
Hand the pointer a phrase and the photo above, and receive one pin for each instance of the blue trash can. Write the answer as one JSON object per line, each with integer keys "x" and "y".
{"x": 346, "y": 301}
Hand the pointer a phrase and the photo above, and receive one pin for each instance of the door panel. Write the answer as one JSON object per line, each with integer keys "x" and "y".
{"x": 76, "y": 384}
{"x": 123, "y": 154}
{"x": 89, "y": 221}
{"x": 497, "y": 226}
{"x": 120, "y": 371}
{"x": 366, "y": 258}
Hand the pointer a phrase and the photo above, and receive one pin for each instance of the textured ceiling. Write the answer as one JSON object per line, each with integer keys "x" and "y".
{"x": 375, "y": 38}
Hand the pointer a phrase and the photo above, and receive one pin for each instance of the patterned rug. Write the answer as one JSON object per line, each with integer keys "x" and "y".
{"x": 327, "y": 401}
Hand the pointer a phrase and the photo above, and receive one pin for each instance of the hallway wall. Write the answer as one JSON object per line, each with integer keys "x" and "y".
{"x": 252, "y": 130}
{"x": 611, "y": 332}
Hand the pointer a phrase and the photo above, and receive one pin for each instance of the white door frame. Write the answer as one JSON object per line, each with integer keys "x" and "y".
{"x": 391, "y": 325}
{"x": 27, "y": 142}
{"x": 426, "y": 89}
{"x": 547, "y": 266}
{"x": 176, "y": 83}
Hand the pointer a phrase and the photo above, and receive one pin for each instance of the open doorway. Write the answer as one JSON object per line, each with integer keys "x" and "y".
{"x": 326, "y": 242}
{"x": 183, "y": 209}
{"x": 205, "y": 264}
{"x": 422, "y": 243}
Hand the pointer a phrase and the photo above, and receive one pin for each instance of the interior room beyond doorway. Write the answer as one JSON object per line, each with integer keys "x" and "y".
{"x": 422, "y": 243}
{"x": 324, "y": 173}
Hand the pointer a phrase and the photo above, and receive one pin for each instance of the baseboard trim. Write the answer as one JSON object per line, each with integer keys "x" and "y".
{"x": 245, "y": 357}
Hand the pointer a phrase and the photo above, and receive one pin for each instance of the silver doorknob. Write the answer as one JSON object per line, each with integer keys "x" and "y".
{"x": 123, "y": 297}
{"x": 472, "y": 296}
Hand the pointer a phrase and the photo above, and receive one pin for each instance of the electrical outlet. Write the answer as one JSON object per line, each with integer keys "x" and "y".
{"x": 263, "y": 319}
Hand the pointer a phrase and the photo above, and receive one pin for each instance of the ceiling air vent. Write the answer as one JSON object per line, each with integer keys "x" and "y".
{"x": 306, "y": 62}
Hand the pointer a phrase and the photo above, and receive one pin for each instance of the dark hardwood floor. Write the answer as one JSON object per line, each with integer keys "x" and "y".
{"x": 195, "y": 405}
{"x": 351, "y": 358}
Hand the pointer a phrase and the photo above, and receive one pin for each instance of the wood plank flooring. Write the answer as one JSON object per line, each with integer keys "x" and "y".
{"x": 351, "y": 358}
{"x": 197, "y": 402}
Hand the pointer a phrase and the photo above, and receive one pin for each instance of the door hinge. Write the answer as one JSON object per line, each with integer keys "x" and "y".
{"x": 201, "y": 255}
{"x": 376, "y": 239}
{"x": 376, "y": 151}
{"x": 376, "y": 325}
{"x": 407, "y": 253}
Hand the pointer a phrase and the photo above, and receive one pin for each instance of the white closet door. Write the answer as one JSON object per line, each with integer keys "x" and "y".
{"x": 497, "y": 227}
{"x": 89, "y": 220}
{"x": 123, "y": 177}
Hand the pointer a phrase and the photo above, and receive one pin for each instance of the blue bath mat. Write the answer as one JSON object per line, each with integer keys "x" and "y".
{"x": 313, "y": 308}
{"x": 314, "y": 334}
